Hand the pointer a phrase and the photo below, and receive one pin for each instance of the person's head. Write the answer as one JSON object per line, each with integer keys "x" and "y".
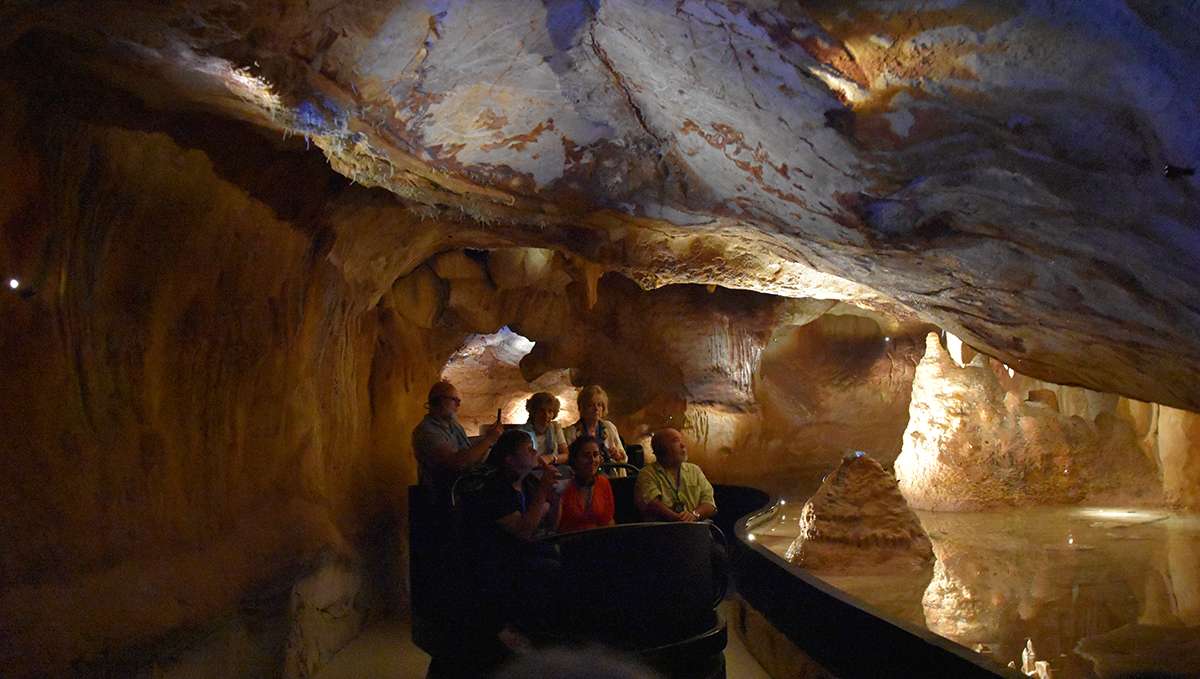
{"x": 592, "y": 402}
{"x": 669, "y": 448}
{"x": 513, "y": 453}
{"x": 542, "y": 408}
{"x": 443, "y": 399}
{"x": 584, "y": 457}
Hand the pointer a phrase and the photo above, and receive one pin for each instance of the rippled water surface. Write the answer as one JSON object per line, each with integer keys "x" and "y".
{"x": 1101, "y": 591}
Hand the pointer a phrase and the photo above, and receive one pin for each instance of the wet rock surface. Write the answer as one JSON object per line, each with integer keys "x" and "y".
{"x": 859, "y": 522}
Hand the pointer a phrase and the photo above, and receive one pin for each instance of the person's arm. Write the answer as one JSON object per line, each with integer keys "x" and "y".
{"x": 617, "y": 449}
{"x": 657, "y": 510}
{"x": 647, "y": 495}
{"x": 606, "y": 508}
{"x": 443, "y": 454}
{"x": 480, "y": 448}
{"x": 708, "y": 503}
{"x": 525, "y": 525}
{"x": 561, "y": 442}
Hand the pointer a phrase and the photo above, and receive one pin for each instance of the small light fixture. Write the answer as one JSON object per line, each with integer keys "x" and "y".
{"x": 782, "y": 502}
{"x": 750, "y": 537}
{"x": 14, "y": 283}
{"x": 887, "y": 339}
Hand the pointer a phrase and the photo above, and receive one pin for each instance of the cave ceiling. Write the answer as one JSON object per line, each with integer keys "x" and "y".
{"x": 997, "y": 168}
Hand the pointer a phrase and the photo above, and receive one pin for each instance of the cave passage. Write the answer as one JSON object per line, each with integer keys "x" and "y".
{"x": 239, "y": 242}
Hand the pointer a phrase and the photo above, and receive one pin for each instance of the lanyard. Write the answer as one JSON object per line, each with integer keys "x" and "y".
{"x": 599, "y": 438}
{"x": 674, "y": 487}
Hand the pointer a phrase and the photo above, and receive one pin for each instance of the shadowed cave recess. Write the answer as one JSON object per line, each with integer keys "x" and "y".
{"x": 240, "y": 241}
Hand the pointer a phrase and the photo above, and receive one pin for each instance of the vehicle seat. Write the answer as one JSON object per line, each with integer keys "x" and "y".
{"x": 625, "y": 509}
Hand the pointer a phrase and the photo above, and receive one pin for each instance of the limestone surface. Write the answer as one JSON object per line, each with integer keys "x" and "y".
{"x": 1019, "y": 173}
{"x": 971, "y": 444}
{"x": 859, "y": 522}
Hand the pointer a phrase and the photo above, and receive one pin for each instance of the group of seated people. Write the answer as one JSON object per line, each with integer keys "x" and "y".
{"x": 572, "y": 497}
{"x": 522, "y": 490}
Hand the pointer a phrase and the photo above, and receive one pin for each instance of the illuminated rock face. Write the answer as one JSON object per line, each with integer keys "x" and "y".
{"x": 838, "y": 383}
{"x": 218, "y": 346}
{"x": 998, "y": 169}
{"x": 972, "y": 445}
{"x": 487, "y": 374}
{"x": 859, "y": 522}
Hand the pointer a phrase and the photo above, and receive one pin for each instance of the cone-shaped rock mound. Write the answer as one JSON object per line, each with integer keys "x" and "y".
{"x": 857, "y": 521}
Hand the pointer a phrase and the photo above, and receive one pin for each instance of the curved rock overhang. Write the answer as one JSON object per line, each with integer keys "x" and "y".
{"x": 1015, "y": 172}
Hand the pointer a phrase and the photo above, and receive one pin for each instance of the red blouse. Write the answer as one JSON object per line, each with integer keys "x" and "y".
{"x": 575, "y": 516}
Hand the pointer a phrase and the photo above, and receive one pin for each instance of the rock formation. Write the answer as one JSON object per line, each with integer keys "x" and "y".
{"x": 972, "y": 445}
{"x": 487, "y": 372}
{"x": 858, "y": 522}
{"x": 239, "y": 241}
{"x": 980, "y": 157}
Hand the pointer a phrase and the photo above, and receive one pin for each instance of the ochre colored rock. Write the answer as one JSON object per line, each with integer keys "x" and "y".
{"x": 523, "y": 267}
{"x": 246, "y": 240}
{"x": 859, "y": 522}
{"x": 1044, "y": 396}
{"x": 971, "y": 445}
{"x": 1006, "y": 208}
{"x": 1179, "y": 453}
{"x": 419, "y": 297}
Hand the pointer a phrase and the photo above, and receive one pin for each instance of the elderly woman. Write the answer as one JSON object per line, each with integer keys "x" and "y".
{"x": 593, "y": 406}
{"x": 588, "y": 499}
{"x": 547, "y": 435}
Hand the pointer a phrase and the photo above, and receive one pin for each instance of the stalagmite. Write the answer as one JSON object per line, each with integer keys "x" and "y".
{"x": 859, "y": 522}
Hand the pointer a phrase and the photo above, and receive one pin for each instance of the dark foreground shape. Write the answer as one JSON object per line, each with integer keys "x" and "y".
{"x": 649, "y": 590}
{"x": 843, "y": 634}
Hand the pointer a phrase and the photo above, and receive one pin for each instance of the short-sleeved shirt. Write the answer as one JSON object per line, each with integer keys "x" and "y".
{"x": 547, "y": 442}
{"x": 430, "y": 434}
{"x": 580, "y": 513}
{"x": 655, "y": 482}
{"x": 495, "y": 500}
{"x": 495, "y": 547}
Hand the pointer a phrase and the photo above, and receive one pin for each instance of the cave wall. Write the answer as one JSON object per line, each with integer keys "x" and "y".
{"x": 197, "y": 418}
{"x": 219, "y": 348}
{"x": 1015, "y": 172}
{"x": 982, "y": 435}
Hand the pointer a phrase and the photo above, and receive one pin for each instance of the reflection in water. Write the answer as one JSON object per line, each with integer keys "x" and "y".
{"x": 1099, "y": 591}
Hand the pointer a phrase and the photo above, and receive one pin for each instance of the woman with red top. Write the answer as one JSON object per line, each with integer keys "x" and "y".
{"x": 588, "y": 499}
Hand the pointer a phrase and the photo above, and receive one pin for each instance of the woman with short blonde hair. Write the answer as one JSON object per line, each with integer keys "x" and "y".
{"x": 593, "y": 407}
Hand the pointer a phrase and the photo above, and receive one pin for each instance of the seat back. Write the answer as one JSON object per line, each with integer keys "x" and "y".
{"x": 625, "y": 509}
{"x": 641, "y": 585}
{"x": 448, "y": 612}
{"x": 734, "y": 502}
{"x": 636, "y": 454}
